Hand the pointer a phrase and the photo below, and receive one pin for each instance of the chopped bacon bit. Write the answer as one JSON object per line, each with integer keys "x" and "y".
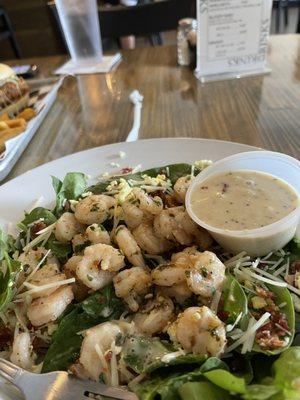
{"x": 126, "y": 170}
{"x": 295, "y": 266}
{"x": 266, "y": 294}
{"x": 223, "y": 315}
{"x": 6, "y": 336}
{"x": 269, "y": 336}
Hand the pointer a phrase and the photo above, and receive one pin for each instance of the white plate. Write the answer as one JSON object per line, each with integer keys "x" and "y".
{"x": 20, "y": 193}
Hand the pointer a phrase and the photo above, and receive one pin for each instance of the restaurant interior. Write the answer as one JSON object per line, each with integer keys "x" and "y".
{"x": 150, "y": 199}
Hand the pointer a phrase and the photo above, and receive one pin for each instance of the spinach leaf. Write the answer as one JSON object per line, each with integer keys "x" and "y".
{"x": 202, "y": 391}
{"x": 38, "y": 213}
{"x": 175, "y": 171}
{"x": 260, "y": 392}
{"x": 60, "y": 250}
{"x": 213, "y": 363}
{"x": 165, "y": 385}
{"x": 226, "y": 380}
{"x": 9, "y": 270}
{"x": 7, "y": 244}
{"x": 65, "y": 348}
{"x": 73, "y": 185}
{"x": 143, "y": 354}
{"x": 234, "y": 299}
{"x": 286, "y": 372}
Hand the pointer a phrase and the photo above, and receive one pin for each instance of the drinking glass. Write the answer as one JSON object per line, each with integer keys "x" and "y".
{"x": 80, "y": 24}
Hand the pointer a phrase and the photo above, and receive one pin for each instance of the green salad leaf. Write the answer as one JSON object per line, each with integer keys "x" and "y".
{"x": 9, "y": 268}
{"x": 73, "y": 185}
{"x": 60, "y": 250}
{"x": 175, "y": 171}
{"x": 143, "y": 354}
{"x": 202, "y": 391}
{"x": 233, "y": 299}
{"x": 165, "y": 385}
{"x": 286, "y": 372}
{"x": 36, "y": 214}
{"x": 226, "y": 380}
{"x": 7, "y": 244}
{"x": 99, "y": 307}
{"x": 260, "y": 392}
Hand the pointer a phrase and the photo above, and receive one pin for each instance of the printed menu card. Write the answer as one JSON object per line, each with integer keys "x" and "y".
{"x": 232, "y": 37}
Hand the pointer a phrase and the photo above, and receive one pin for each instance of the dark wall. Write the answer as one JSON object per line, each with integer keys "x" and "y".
{"x": 35, "y": 29}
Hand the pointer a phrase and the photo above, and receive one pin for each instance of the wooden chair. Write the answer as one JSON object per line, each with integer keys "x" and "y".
{"x": 148, "y": 18}
{"x": 7, "y": 33}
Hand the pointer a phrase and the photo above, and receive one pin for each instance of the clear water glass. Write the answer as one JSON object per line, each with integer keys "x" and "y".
{"x": 80, "y": 24}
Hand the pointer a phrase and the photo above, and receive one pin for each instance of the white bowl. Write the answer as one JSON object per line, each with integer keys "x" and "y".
{"x": 260, "y": 241}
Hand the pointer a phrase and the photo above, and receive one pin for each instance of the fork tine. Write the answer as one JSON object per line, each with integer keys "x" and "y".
{"x": 98, "y": 388}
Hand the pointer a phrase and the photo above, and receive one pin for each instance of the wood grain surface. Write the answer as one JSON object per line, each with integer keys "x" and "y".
{"x": 94, "y": 110}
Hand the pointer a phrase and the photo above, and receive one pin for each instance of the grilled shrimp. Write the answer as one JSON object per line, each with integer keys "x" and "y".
{"x": 79, "y": 289}
{"x": 203, "y": 272}
{"x": 98, "y": 265}
{"x": 22, "y": 354}
{"x": 150, "y": 205}
{"x": 200, "y": 236}
{"x": 145, "y": 236}
{"x": 49, "y": 273}
{"x": 206, "y": 275}
{"x": 180, "y": 188}
{"x": 102, "y": 335}
{"x": 175, "y": 225}
{"x": 67, "y": 227}
{"x": 155, "y": 315}
{"x": 133, "y": 215}
{"x": 200, "y": 331}
{"x": 32, "y": 257}
{"x": 131, "y": 284}
{"x": 96, "y": 233}
{"x": 129, "y": 246}
{"x": 167, "y": 225}
{"x": 179, "y": 292}
{"x": 49, "y": 308}
{"x": 94, "y": 209}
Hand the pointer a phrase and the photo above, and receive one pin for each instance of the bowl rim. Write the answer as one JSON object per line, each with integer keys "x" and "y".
{"x": 261, "y": 231}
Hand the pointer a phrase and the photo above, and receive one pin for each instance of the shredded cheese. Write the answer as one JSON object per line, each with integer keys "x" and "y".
{"x": 105, "y": 366}
{"x": 263, "y": 319}
{"x": 36, "y": 289}
{"x": 171, "y": 356}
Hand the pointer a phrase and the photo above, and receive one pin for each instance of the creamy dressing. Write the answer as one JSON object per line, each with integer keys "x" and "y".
{"x": 241, "y": 200}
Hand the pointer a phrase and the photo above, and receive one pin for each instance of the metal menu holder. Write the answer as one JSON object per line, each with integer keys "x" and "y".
{"x": 232, "y": 38}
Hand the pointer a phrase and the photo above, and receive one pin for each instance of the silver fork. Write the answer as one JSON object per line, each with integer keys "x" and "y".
{"x": 57, "y": 385}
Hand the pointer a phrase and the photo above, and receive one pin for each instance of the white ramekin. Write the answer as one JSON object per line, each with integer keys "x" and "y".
{"x": 260, "y": 241}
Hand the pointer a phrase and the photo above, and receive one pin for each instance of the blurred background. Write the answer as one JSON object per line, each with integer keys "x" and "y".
{"x": 30, "y": 28}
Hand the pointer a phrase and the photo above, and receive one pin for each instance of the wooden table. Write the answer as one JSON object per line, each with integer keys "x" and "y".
{"x": 94, "y": 110}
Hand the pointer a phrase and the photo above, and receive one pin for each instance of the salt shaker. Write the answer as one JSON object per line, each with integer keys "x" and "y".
{"x": 183, "y": 51}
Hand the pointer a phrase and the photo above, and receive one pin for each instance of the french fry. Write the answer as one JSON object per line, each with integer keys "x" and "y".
{"x": 4, "y": 117}
{"x": 27, "y": 114}
{"x": 9, "y": 134}
{"x": 16, "y": 123}
{"x": 3, "y": 126}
